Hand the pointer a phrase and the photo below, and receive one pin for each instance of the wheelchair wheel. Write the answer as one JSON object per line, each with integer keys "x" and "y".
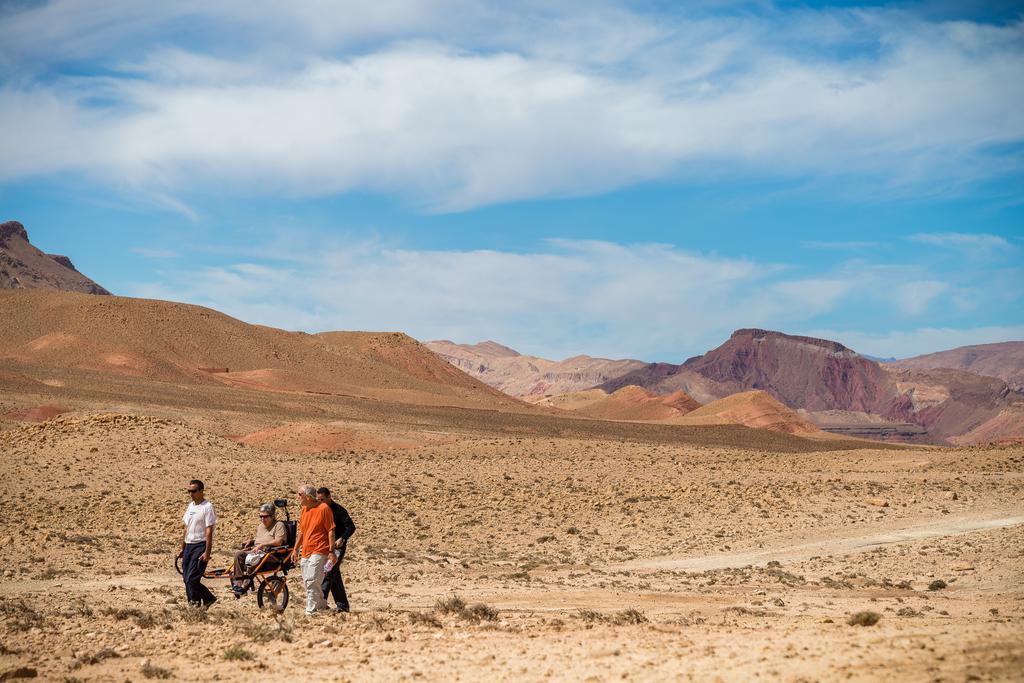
{"x": 177, "y": 564}
{"x": 273, "y": 593}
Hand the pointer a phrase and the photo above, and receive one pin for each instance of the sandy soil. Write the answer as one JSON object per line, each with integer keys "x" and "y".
{"x": 601, "y": 551}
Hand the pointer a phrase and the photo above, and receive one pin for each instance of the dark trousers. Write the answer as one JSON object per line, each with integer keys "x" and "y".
{"x": 192, "y": 569}
{"x": 334, "y": 585}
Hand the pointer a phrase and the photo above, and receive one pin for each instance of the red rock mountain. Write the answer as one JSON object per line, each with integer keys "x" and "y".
{"x": 805, "y": 372}
{"x": 825, "y": 378}
{"x": 22, "y": 266}
{"x": 802, "y": 372}
{"x": 517, "y": 375}
{"x": 1004, "y": 360}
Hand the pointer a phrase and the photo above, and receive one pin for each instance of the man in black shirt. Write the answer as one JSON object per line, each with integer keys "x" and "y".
{"x": 344, "y": 527}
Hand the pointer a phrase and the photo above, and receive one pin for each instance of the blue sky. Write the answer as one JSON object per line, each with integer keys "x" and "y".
{"x": 619, "y": 179}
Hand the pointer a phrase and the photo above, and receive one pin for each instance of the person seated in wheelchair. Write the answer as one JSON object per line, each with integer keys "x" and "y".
{"x": 270, "y": 533}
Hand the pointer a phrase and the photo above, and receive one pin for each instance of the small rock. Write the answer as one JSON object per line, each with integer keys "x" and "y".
{"x": 20, "y": 672}
{"x": 963, "y": 567}
{"x": 878, "y": 502}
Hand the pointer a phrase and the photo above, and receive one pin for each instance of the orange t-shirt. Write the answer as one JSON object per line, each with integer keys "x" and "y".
{"x": 315, "y": 524}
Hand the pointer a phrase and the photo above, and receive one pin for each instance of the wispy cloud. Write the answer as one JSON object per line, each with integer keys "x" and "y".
{"x": 916, "y": 296}
{"x": 567, "y": 297}
{"x": 963, "y": 240}
{"x": 515, "y": 102}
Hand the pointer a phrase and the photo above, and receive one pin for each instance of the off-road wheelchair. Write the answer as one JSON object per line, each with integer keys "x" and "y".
{"x": 268, "y": 576}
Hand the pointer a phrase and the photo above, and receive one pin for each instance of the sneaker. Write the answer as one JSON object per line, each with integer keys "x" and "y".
{"x": 339, "y": 609}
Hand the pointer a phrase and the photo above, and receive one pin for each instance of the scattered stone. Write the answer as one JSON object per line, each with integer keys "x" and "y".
{"x": 20, "y": 672}
{"x": 878, "y": 502}
{"x": 963, "y": 567}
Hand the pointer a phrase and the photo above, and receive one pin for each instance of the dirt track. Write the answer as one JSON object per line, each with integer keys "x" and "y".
{"x": 859, "y": 541}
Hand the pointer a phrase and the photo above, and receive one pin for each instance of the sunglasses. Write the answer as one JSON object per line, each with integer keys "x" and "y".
{"x": 264, "y": 516}
{"x": 191, "y": 491}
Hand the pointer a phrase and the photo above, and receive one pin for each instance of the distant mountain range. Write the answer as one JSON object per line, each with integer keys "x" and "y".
{"x": 1004, "y": 360}
{"x": 759, "y": 378}
{"x": 939, "y": 398}
{"x": 517, "y": 375}
{"x": 23, "y": 266}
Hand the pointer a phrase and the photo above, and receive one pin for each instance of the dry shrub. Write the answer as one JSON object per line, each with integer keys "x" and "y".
{"x": 85, "y": 660}
{"x": 424, "y": 619}
{"x": 152, "y": 671}
{"x": 20, "y": 616}
{"x": 192, "y": 614}
{"x": 866, "y": 618}
{"x": 480, "y": 612}
{"x": 456, "y": 606}
{"x": 452, "y": 605}
{"x": 629, "y": 616}
{"x": 742, "y": 609}
{"x": 237, "y": 653}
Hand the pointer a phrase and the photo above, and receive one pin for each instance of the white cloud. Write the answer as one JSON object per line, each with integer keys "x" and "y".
{"x": 964, "y": 241}
{"x": 517, "y": 103}
{"x": 915, "y": 297}
{"x": 919, "y": 341}
{"x": 649, "y": 301}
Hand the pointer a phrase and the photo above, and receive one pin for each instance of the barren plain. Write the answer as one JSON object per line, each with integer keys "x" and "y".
{"x": 582, "y": 549}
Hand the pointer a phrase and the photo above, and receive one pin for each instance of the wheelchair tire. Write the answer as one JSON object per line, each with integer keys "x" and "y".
{"x": 273, "y": 593}
{"x": 177, "y": 564}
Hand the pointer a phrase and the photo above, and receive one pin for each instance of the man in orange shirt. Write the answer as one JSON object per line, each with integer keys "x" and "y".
{"x": 314, "y": 541}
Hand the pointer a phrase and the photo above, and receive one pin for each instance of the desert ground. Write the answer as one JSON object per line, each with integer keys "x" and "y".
{"x": 500, "y": 546}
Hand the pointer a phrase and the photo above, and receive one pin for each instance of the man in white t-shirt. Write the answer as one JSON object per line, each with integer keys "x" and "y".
{"x": 197, "y": 544}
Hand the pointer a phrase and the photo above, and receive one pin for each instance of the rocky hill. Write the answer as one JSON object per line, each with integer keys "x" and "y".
{"x": 23, "y": 266}
{"x": 628, "y": 403}
{"x": 518, "y": 375}
{"x": 46, "y": 331}
{"x": 755, "y": 409}
{"x": 1004, "y": 360}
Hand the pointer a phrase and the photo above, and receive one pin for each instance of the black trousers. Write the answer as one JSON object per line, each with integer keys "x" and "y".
{"x": 192, "y": 568}
{"x": 334, "y": 585}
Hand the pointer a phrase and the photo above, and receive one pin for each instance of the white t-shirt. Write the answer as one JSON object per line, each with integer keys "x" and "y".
{"x": 196, "y": 519}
